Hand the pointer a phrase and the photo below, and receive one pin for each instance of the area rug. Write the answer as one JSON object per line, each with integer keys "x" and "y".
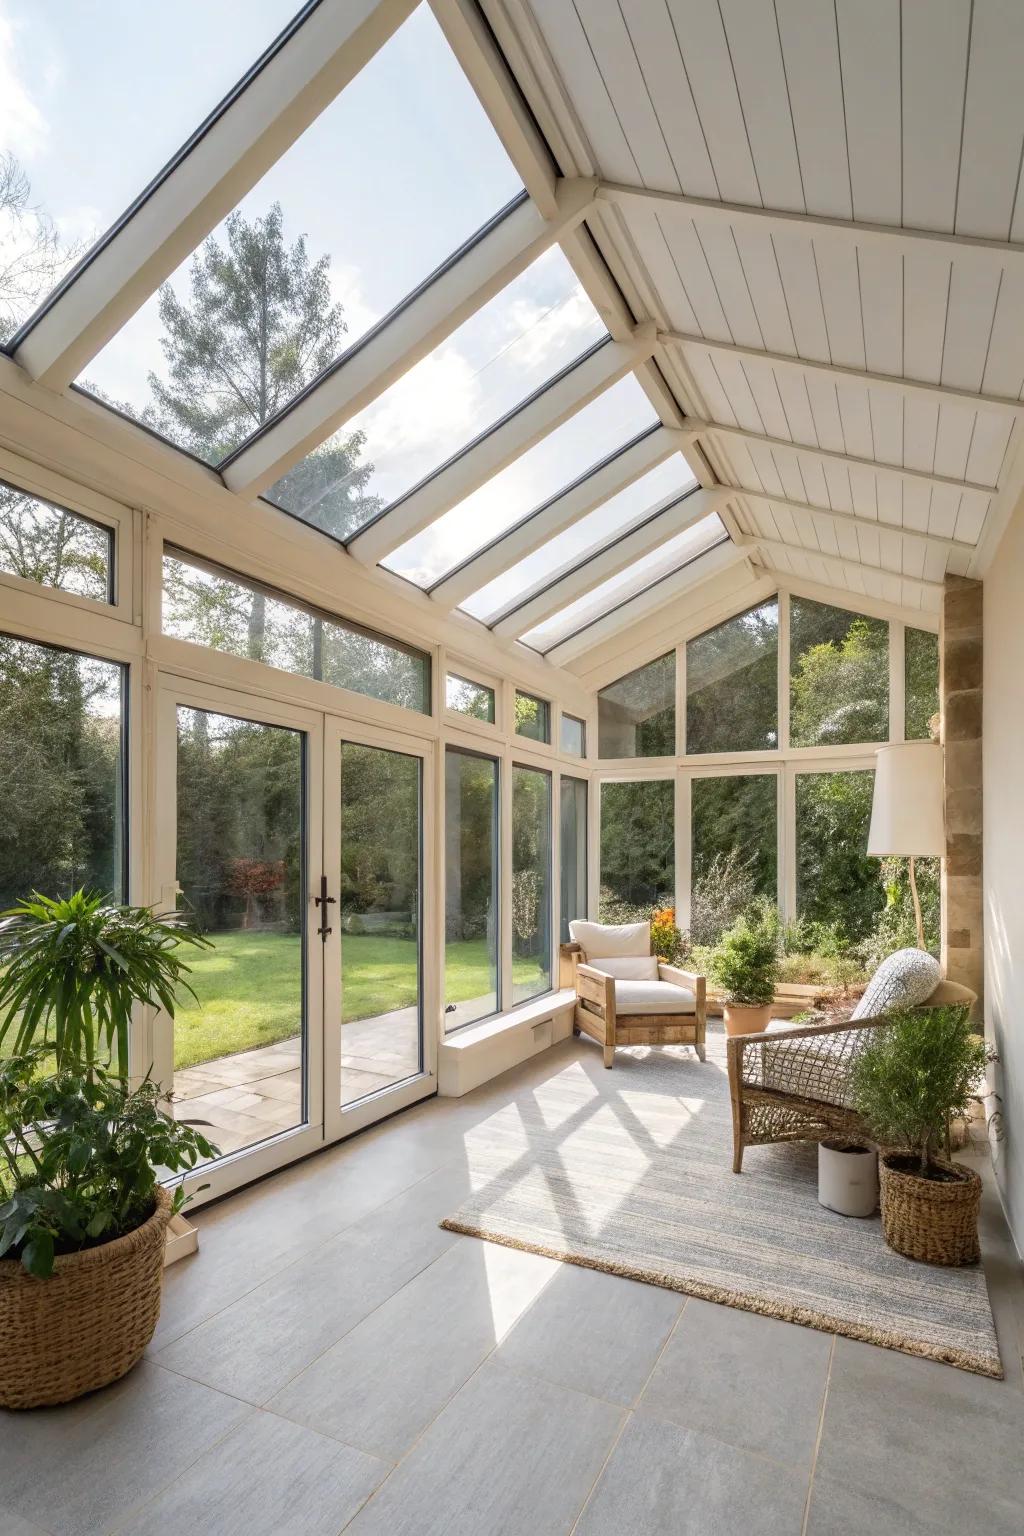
{"x": 629, "y": 1171}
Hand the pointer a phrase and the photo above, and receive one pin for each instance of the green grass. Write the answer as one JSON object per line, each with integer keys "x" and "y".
{"x": 248, "y": 986}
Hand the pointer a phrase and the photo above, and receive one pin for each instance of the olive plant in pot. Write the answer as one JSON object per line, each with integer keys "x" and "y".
{"x": 82, "y": 1210}
{"x": 745, "y": 965}
{"x": 915, "y": 1074}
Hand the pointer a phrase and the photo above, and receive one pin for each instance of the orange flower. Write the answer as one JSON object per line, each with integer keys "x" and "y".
{"x": 665, "y": 917}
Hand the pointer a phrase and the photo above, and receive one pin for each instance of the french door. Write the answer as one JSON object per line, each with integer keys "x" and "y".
{"x": 295, "y": 840}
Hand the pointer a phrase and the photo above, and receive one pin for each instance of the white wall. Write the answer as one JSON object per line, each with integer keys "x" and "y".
{"x": 1004, "y": 853}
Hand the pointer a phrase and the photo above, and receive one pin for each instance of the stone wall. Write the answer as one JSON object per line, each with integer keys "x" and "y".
{"x": 960, "y": 670}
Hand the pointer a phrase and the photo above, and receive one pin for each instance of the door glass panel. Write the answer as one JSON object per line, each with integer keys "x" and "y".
{"x": 531, "y": 883}
{"x": 471, "y": 888}
{"x": 638, "y": 849}
{"x": 379, "y": 910}
{"x": 573, "y": 852}
{"x": 238, "y": 1045}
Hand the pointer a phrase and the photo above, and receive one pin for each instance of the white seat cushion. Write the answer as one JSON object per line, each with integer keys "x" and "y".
{"x": 611, "y": 940}
{"x": 653, "y": 997}
{"x": 629, "y": 967}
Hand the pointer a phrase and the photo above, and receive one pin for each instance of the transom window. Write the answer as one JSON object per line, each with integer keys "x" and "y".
{"x": 48, "y": 544}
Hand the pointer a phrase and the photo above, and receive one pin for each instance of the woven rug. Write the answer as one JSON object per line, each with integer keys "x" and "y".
{"x": 629, "y": 1171}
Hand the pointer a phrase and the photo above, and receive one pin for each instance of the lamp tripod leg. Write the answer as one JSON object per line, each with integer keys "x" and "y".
{"x": 917, "y": 906}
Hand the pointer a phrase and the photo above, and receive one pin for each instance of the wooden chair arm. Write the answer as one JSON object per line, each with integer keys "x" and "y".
{"x": 592, "y": 971}
{"x": 680, "y": 978}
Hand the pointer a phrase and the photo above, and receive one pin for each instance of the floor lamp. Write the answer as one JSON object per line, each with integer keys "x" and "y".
{"x": 906, "y": 811}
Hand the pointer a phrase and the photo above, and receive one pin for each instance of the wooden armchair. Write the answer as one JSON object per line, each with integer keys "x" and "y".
{"x": 622, "y": 1001}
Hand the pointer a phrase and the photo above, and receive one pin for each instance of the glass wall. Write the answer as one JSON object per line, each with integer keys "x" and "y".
{"x": 62, "y": 783}
{"x": 471, "y": 887}
{"x": 638, "y": 851}
{"x": 732, "y": 684}
{"x": 238, "y": 1044}
{"x": 921, "y": 681}
{"x": 379, "y": 912}
{"x": 734, "y": 848}
{"x": 531, "y": 883}
{"x": 469, "y": 698}
{"x": 636, "y": 716}
{"x": 838, "y": 676}
{"x": 573, "y": 846}
{"x": 533, "y": 717}
{"x": 56, "y": 548}
{"x": 837, "y": 884}
{"x": 573, "y": 736}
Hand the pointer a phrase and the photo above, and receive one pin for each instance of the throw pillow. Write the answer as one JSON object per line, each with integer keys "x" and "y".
{"x": 903, "y": 980}
{"x": 630, "y": 967}
{"x": 601, "y": 940}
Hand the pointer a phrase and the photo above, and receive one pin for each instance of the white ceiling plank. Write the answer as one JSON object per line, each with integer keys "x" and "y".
{"x": 688, "y": 257}
{"x": 869, "y": 50}
{"x": 881, "y": 295}
{"x": 556, "y": 516}
{"x": 953, "y": 440}
{"x": 810, "y": 49}
{"x": 855, "y": 415}
{"x": 734, "y": 382}
{"x": 722, "y": 257}
{"x": 612, "y": 47}
{"x": 972, "y": 304}
{"x": 989, "y": 447}
{"x": 709, "y": 383}
{"x": 993, "y": 120}
{"x": 798, "y": 270}
{"x": 821, "y": 392}
{"x": 764, "y": 388}
{"x": 792, "y": 386}
{"x": 934, "y": 56}
{"x": 839, "y": 281}
{"x": 927, "y": 275}
{"x": 761, "y": 270}
{"x": 653, "y": 36}
{"x": 705, "y": 52}
{"x": 841, "y": 490}
{"x": 752, "y": 35}
{"x": 970, "y": 520}
{"x": 1004, "y": 366}
{"x": 563, "y": 33}
{"x": 920, "y": 433}
{"x": 847, "y": 566}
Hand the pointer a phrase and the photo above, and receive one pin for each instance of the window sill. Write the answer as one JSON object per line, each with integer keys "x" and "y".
{"x": 482, "y": 1051}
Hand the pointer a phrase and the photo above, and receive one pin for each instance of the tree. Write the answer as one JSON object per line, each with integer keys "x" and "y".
{"x": 51, "y": 546}
{"x": 34, "y": 255}
{"x": 839, "y": 676}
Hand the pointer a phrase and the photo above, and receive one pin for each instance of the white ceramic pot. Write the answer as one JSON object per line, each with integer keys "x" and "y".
{"x": 847, "y": 1178}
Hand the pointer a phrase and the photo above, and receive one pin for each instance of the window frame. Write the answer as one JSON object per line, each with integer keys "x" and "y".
{"x": 563, "y": 751}
{"x": 515, "y": 735}
{"x": 554, "y": 807}
{"x": 454, "y": 717}
{"x": 501, "y": 828}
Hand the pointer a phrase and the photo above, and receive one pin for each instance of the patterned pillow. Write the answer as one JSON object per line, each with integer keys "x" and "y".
{"x": 904, "y": 980}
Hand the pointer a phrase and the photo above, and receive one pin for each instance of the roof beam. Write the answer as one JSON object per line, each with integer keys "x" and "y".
{"x": 997, "y": 253}
{"x": 225, "y": 157}
{"x": 876, "y": 525}
{"x": 830, "y": 456}
{"x": 655, "y": 596}
{"x": 672, "y": 517}
{"x": 755, "y": 541}
{"x": 519, "y": 431}
{"x": 611, "y": 477}
{"x": 938, "y": 393}
{"x": 505, "y": 250}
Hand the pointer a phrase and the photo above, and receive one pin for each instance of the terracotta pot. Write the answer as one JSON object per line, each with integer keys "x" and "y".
{"x": 931, "y": 1220}
{"x": 740, "y": 1019}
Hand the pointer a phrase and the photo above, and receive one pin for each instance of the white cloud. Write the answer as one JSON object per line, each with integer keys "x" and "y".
{"x": 23, "y": 129}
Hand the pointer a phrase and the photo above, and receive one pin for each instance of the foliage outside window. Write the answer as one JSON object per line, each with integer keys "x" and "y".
{"x": 921, "y": 682}
{"x": 467, "y": 698}
{"x": 471, "y": 887}
{"x": 637, "y": 848}
{"x": 734, "y": 849}
{"x": 533, "y": 717}
{"x": 216, "y": 608}
{"x": 56, "y": 548}
{"x": 531, "y": 883}
{"x": 573, "y": 736}
{"x": 837, "y": 883}
{"x": 839, "y": 676}
{"x": 61, "y": 772}
{"x": 573, "y": 852}
{"x": 732, "y": 684}
{"x": 636, "y": 715}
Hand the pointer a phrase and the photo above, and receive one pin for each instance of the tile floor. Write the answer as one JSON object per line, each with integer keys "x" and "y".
{"x": 332, "y": 1360}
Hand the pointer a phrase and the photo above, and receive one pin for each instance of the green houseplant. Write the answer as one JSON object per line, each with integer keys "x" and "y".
{"x": 917, "y": 1073}
{"x": 745, "y": 965}
{"x": 83, "y": 1214}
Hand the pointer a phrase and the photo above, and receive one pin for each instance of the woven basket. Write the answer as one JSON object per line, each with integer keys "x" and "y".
{"x": 934, "y": 1222}
{"x": 85, "y": 1326}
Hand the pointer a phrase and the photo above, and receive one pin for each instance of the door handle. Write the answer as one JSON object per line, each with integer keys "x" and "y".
{"x": 324, "y": 901}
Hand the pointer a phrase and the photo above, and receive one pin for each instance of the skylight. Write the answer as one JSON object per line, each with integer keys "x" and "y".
{"x": 613, "y": 419}
{"x": 636, "y": 578}
{"x": 603, "y": 526}
{"x": 396, "y": 174}
{"x": 535, "y": 327}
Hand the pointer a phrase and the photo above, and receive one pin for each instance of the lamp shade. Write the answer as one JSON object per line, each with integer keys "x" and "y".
{"x": 906, "y": 812}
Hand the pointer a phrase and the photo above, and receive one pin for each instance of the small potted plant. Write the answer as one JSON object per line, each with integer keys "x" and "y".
{"x": 745, "y": 965}
{"x": 916, "y": 1074}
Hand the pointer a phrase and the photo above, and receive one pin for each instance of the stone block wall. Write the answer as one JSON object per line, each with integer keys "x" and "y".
{"x": 960, "y": 691}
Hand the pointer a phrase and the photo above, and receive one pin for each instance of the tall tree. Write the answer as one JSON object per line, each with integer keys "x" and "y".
{"x": 34, "y": 255}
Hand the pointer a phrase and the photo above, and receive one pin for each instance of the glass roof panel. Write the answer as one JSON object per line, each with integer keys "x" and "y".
{"x": 536, "y": 326}
{"x": 396, "y": 173}
{"x": 670, "y": 556}
{"x": 613, "y": 419}
{"x": 94, "y": 100}
{"x": 608, "y": 522}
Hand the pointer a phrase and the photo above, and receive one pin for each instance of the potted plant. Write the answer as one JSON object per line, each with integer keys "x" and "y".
{"x": 82, "y": 1224}
{"x": 914, "y": 1075}
{"x": 745, "y": 965}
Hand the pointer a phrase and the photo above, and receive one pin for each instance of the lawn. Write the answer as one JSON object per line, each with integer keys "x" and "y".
{"x": 248, "y": 986}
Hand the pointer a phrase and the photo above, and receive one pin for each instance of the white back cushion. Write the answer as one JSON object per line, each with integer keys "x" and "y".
{"x": 604, "y": 941}
{"x": 629, "y": 967}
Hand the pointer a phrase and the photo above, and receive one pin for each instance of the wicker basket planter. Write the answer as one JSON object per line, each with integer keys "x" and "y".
{"x": 932, "y": 1220}
{"x": 85, "y": 1326}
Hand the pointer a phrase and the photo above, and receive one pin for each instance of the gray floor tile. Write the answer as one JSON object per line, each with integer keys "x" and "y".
{"x": 662, "y": 1480}
{"x": 256, "y": 1345}
{"x": 748, "y": 1380}
{"x": 382, "y": 1384}
{"x": 509, "y": 1455}
{"x": 76, "y": 1470}
{"x": 269, "y": 1478}
{"x": 593, "y": 1332}
{"x": 14, "y": 1525}
{"x": 912, "y": 1445}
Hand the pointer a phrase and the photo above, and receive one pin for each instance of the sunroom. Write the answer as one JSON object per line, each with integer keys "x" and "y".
{"x": 504, "y": 540}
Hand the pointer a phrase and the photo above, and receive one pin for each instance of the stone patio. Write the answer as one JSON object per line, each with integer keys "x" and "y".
{"x": 244, "y": 1098}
